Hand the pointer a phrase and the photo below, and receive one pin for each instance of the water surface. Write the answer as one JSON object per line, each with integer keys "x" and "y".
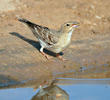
{"x": 78, "y": 89}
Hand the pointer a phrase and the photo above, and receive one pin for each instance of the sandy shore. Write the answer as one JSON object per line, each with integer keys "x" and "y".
{"x": 88, "y": 55}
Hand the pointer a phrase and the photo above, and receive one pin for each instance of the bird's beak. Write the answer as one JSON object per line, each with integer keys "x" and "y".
{"x": 76, "y": 25}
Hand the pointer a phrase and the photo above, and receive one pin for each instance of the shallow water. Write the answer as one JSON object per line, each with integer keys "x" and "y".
{"x": 78, "y": 89}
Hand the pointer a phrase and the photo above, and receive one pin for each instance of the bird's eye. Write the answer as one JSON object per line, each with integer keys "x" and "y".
{"x": 67, "y": 24}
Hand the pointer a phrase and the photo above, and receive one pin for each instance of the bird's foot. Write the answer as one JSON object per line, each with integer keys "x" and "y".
{"x": 60, "y": 57}
{"x": 46, "y": 55}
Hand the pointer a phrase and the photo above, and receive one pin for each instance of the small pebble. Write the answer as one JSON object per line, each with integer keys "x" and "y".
{"x": 98, "y": 17}
{"x": 92, "y": 6}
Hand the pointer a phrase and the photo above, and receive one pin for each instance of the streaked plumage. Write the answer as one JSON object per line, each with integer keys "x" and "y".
{"x": 53, "y": 40}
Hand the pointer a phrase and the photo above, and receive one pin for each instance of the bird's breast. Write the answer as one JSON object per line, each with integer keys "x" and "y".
{"x": 64, "y": 41}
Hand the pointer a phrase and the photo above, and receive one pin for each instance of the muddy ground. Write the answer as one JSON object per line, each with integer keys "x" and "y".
{"x": 88, "y": 55}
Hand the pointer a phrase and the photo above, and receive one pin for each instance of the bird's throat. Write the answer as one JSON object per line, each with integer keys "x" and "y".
{"x": 69, "y": 35}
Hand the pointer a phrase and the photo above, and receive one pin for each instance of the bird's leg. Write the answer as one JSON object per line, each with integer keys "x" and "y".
{"x": 60, "y": 57}
{"x": 44, "y": 54}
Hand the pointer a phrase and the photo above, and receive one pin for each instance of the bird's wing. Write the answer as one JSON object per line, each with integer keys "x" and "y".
{"x": 45, "y": 34}
{"x": 41, "y": 32}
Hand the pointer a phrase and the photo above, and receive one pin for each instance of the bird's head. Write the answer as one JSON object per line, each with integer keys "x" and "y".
{"x": 69, "y": 26}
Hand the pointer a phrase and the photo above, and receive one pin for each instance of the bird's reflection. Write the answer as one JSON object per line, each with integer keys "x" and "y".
{"x": 52, "y": 92}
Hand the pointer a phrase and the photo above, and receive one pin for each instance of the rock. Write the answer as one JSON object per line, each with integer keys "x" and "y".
{"x": 98, "y": 17}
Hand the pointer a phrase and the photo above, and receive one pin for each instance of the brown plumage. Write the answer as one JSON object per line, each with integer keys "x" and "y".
{"x": 53, "y": 40}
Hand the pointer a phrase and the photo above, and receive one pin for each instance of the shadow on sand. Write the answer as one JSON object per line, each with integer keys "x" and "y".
{"x": 34, "y": 43}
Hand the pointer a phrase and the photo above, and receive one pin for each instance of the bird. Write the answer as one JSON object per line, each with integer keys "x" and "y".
{"x": 50, "y": 39}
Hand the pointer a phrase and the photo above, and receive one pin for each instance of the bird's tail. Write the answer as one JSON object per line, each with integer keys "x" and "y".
{"x": 26, "y": 21}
